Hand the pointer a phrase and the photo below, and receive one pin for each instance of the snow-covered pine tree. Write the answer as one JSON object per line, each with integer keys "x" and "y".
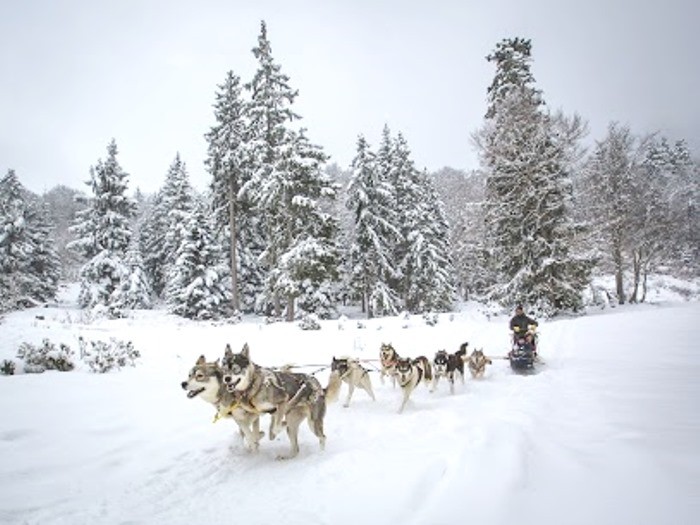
{"x": 29, "y": 264}
{"x": 431, "y": 286}
{"x": 44, "y": 264}
{"x": 684, "y": 199}
{"x": 528, "y": 191}
{"x": 306, "y": 234}
{"x": 103, "y": 235}
{"x": 423, "y": 251}
{"x": 198, "y": 286}
{"x": 371, "y": 201}
{"x": 271, "y": 137}
{"x": 228, "y": 162}
{"x": 22, "y": 239}
{"x": 135, "y": 290}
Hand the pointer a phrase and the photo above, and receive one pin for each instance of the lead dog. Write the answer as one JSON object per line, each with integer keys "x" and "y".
{"x": 448, "y": 366}
{"x": 205, "y": 381}
{"x": 289, "y": 397}
{"x": 350, "y": 371}
{"x": 409, "y": 374}
{"x": 477, "y": 362}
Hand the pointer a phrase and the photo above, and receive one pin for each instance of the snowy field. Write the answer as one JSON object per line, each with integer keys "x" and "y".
{"x": 608, "y": 432}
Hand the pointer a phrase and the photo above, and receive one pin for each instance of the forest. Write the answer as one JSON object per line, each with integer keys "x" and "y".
{"x": 283, "y": 232}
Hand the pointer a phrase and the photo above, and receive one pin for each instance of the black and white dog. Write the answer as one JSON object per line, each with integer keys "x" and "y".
{"x": 448, "y": 366}
{"x": 409, "y": 374}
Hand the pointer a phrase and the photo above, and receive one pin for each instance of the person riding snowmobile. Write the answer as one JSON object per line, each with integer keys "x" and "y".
{"x": 521, "y": 324}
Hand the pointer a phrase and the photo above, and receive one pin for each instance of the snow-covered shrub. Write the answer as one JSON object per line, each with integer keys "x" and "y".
{"x": 103, "y": 357}
{"x": 430, "y": 318}
{"x": 46, "y": 357}
{"x": 7, "y": 368}
{"x": 310, "y": 322}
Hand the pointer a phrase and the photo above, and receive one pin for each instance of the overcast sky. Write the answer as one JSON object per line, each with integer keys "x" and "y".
{"x": 76, "y": 73}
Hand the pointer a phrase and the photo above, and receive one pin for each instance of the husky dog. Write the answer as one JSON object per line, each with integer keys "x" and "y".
{"x": 388, "y": 358}
{"x": 289, "y": 397}
{"x": 448, "y": 366}
{"x": 477, "y": 362}
{"x": 350, "y": 371}
{"x": 409, "y": 373}
{"x": 205, "y": 381}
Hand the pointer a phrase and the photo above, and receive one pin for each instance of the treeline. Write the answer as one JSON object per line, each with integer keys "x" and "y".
{"x": 281, "y": 233}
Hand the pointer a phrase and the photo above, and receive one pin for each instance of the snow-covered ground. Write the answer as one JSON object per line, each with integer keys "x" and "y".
{"x": 607, "y": 432}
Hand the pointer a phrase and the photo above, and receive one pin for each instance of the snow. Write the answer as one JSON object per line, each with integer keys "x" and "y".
{"x": 607, "y": 432}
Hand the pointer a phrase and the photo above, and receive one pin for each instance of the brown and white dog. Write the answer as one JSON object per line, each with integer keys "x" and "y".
{"x": 477, "y": 362}
{"x": 449, "y": 366}
{"x": 409, "y": 374}
{"x": 388, "y": 357}
{"x": 347, "y": 370}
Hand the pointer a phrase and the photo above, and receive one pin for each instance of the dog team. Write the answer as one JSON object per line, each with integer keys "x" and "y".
{"x": 241, "y": 390}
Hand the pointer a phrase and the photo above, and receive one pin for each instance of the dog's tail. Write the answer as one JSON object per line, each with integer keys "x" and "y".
{"x": 424, "y": 364}
{"x": 332, "y": 390}
{"x": 462, "y": 349}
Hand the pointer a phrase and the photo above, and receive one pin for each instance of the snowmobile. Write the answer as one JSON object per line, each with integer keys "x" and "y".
{"x": 523, "y": 353}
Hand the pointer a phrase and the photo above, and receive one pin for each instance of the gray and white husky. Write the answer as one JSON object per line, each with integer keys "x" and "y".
{"x": 205, "y": 381}
{"x": 477, "y": 362}
{"x": 409, "y": 374}
{"x": 289, "y": 397}
{"x": 348, "y": 370}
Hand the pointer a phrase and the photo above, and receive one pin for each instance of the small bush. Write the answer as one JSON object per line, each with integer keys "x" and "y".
{"x": 103, "y": 357}
{"x": 7, "y": 368}
{"x": 310, "y": 322}
{"x": 430, "y": 318}
{"x": 46, "y": 357}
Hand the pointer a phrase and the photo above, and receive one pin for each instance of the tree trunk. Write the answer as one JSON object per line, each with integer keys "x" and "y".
{"x": 235, "y": 301}
{"x": 617, "y": 261}
{"x": 636, "y": 270}
{"x": 290, "y": 309}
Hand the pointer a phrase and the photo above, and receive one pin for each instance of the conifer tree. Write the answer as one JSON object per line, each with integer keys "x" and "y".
{"x": 198, "y": 286}
{"x": 228, "y": 163}
{"x": 306, "y": 234}
{"x": 528, "y": 199}
{"x": 103, "y": 235}
{"x": 269, "y": 116}
{"x": 370, "y": 199}
{"x": 29, "y": 264}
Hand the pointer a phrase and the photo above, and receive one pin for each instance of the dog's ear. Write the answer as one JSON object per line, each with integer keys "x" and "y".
{"x": 228, "y": 352}
{"x": 201, "y": 361}
{"x": 246, "y": 351}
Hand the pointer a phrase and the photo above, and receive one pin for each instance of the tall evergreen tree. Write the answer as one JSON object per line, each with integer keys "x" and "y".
{"x": 306, "y": 234}
{"x": 228, "y": 163}
{"x": 270, "y": 115}
{"x": 528, "y": 199}
{"x": 103, "y": 235}
{"x": 198, "y": 286}
{"x": 370, "y": 199}
{"x": 29, "y": 264}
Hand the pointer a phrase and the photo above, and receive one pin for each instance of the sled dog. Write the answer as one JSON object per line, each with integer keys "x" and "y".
{"x": 350, "y": 371}
{"x": 477, "y": 362}
{"x": 388, "y": 357}
{"x": 449, "y": 366}
{"x": 409, "y": 374}
{"x": 289, "y": 397}
{"x": 205, "y": 381}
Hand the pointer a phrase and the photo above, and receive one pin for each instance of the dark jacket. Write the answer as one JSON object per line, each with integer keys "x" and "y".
{"x": 522, "y": 321}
